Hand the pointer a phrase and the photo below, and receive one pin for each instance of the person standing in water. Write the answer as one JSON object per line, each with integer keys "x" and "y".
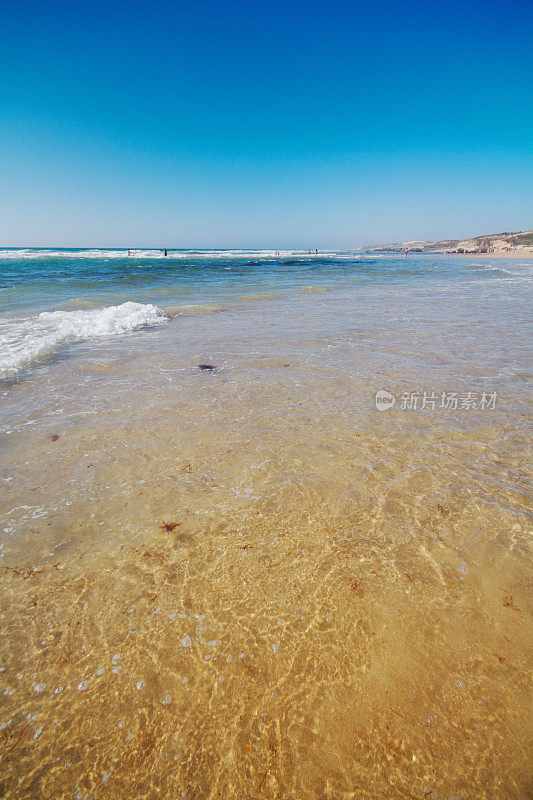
{"x": 406, "y": 252}
{"x": 165, "y": 250}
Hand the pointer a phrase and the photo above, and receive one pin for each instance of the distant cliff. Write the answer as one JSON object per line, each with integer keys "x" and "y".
{"x": 488, "y": 243}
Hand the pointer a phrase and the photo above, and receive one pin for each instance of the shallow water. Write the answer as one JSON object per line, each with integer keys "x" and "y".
{"x": 339, "y": 604}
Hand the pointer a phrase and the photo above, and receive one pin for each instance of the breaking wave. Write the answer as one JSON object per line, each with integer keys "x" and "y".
{"x": 42, "y": 254}
{"x": 29, "y": 340}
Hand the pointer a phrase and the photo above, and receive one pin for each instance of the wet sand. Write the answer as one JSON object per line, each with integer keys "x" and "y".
{"x": 249, "y": 582}
{"x": 525, "y": 253}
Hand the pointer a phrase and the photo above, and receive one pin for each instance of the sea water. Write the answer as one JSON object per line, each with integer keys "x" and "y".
{"x": 257, "y": 579}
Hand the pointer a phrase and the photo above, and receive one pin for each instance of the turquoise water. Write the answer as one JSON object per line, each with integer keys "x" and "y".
{"x": 50, "y": 299}
{"x": 38, "y": 280}
{"x": 339, "y": 604}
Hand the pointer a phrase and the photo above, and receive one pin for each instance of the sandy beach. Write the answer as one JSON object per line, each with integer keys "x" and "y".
{"x": 224, "y": 570}
{"x": 523, "y": 253}
{"x": 265, "y": 407}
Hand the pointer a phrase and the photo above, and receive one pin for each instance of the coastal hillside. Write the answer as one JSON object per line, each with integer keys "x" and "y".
{"x": 488, "y": 243}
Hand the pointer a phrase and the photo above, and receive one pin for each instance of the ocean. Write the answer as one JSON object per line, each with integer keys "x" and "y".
{"x": 264, "y": 524}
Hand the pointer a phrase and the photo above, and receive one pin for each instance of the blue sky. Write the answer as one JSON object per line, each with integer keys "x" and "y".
{"x": 312, "y": 124}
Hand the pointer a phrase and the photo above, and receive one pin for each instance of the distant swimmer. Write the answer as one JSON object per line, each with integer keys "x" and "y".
{"x": 165, "y": 250}
{"x": 316, "y": 252}
{"x": 128, "y": 250}
{"x": 406, "y": 252}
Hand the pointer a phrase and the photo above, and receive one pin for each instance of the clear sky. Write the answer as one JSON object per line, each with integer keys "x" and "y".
{"x": 266, "y": 124}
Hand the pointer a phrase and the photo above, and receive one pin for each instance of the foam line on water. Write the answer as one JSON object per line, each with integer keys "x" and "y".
{"x": 28, "y": 340}
{"x": 29, "y": 253}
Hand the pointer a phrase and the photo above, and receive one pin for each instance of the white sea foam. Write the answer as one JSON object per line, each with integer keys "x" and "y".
{"x": 28, "y": 253}
{"x": 28, "y": 340}
{"x": 518, "y": 269}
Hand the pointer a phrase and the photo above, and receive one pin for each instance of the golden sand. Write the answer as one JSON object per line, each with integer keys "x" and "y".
{"x": 259, "y": 600}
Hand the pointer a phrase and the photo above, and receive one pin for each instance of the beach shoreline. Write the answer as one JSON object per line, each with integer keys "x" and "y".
{"x": 526, "y": 253}
{"x": 224, "y": 564}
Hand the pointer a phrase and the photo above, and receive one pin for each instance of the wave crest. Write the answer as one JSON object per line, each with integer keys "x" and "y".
{"x": 26, "y": 341}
